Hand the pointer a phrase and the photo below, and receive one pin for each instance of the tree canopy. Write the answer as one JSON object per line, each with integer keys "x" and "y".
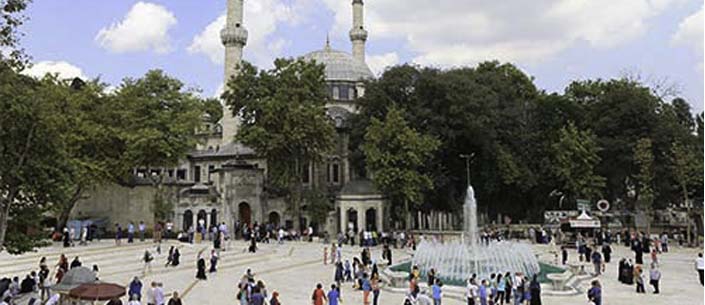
{"x": 529, "y": 144}
{"x": 283, "y": 119}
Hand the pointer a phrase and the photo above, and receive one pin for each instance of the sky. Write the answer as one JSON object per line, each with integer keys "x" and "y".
{"x": 554, "y": 41}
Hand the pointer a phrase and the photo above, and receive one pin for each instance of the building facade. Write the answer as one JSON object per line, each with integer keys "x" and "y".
{"x": 225, "y": 181}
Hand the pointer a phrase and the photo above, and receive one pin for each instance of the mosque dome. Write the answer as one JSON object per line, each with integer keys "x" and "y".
{"x": 340, "y": 66}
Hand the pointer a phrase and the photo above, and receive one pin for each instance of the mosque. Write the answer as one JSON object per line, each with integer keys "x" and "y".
{"x": 225, "y": 181}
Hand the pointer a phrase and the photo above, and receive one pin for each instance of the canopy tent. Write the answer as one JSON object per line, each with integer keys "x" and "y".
{"x": 584, "y": 221}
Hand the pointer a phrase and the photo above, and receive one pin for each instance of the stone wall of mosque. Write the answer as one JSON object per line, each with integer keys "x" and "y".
{"x": 120, "y": 204}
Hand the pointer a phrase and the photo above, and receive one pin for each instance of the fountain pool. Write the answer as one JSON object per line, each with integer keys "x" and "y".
{"x": 457, "y": 261}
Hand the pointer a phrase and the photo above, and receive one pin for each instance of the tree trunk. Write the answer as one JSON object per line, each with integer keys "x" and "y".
{"x": 407, "y": 215}
{"x": 687, "y": 217}
{"x": 4, "y": 215}
{"x": 66, "y": 211}
{"x": 13, "y": 191}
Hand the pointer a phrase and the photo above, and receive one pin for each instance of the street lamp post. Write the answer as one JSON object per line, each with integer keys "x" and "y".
{"x": 467, "y": 164}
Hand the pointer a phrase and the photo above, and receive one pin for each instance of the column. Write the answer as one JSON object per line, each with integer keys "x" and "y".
{"x": 360, "y": 220}
{"x": 343, "y": 227}
{"x": 380, "y": 214}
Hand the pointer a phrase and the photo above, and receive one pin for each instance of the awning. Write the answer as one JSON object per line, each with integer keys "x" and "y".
{"x": 584, "y": 221}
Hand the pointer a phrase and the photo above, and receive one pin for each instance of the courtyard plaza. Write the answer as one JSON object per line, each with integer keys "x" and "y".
{"x": 294, "y": 268}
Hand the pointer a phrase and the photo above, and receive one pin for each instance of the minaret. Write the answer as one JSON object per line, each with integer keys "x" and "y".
{"x": 358, "y": 34}
{"x": 234, "y": 38}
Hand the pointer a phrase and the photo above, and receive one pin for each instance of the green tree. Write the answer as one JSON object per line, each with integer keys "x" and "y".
{"x": 11, "y": 18}
{"x": 283, "y": 120}
{"x": 395, "y": 154}
{"x": 32, "y": 156}
{"x": 644, "y": 178}
{"x": 159, "y": 119}
{"x": 687, "y": 169}
{"x": 575, "y": 156}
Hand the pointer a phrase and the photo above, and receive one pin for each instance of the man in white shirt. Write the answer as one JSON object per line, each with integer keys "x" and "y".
{"x": 471, "y": 292}
{"x": 159, "y": 294}
{"x": 142, "y": 229}
{"x": 150, "y": 294}
{"x": 699, "y": 266}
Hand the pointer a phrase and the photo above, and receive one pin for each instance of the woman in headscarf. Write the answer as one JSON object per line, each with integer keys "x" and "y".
{"x": 201, "y": 266}
{"x": 535, "y": 289}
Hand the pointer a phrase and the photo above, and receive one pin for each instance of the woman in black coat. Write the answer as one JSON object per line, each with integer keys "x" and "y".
{"x": 201, "y": 265}
{"x": 535, "y": 290}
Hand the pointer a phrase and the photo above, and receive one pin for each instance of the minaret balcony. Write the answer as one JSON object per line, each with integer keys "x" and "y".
{"x": 358, "y": 34}
{"x": 233, "y": 35}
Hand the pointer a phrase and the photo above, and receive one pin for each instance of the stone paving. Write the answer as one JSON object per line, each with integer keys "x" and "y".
{"x": 294, "y": 268}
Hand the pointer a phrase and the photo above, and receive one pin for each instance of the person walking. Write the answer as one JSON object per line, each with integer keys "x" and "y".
{"x": 175, "y": 299}
{"x": 639, "y": 279}
{"x": 118, "y": 234}
{"x": 375, "y": 289}
{"x": 564, "y": 254}
{"x": 437, "y": 292}
{"x": 607, "y": 252}
{"x": 159, "y": 294}
{"x": 333, "y": 295}
{"x": 130, "y": 232}
{"x": 366, "y": 289}
{"x": 535, "y": 290}
{"x": 275, "y": 298}
{"x": 150, "y": 294}
{"x": 501, "y": 287}
{"x": 214, "y": 261}
{"x": 471, "y": 292}
{"x": 319, "y": 296}
{"x": 700, "y": 266}
{"x": 175, "y": 260}
{"x": 594, "y": 294}
{"x": 597, "y": 262}
{"x": 147, "y": 259}
{"x": 654, "y": 277}
{"x": 142, "y": 227}
{"x": 135, "y": 289}
{"x": 201, "y": 267}
{"x": 482, "y": 292}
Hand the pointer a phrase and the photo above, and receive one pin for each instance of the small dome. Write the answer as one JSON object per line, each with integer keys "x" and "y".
{"x": 340, "y": 66}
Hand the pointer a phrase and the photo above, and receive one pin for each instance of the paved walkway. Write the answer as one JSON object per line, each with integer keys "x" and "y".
{"x": 293, "y": 269}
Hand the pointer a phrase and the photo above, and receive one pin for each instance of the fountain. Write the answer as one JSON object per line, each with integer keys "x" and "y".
{"x": 457, "y": 261}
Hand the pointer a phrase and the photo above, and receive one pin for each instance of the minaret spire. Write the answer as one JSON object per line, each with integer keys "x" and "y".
{"x": 358, "y": 34}
{"x": 234, "y": 38}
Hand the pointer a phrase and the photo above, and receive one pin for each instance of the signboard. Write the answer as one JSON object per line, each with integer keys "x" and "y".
{"x": 583, "y": 204}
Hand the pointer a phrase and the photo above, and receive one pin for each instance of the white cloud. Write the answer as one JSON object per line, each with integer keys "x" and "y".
{"x": 380, "y": 62}
{"x": 145, "y": 27}
{"x": 261, "y": 19}
{"x": 451, "y": 32}
{"x": 690, "y": 32}
{"x": 62, "y": 68}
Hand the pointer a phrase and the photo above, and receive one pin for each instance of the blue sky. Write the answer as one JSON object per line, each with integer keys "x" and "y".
{"x": 555, "y": 41}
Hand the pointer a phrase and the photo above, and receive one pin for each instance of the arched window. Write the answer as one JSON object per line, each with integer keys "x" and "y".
{"x": 336, "y": 93}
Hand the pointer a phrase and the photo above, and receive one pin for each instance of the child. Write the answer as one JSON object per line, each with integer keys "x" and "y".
{"x": 483, "y": 292}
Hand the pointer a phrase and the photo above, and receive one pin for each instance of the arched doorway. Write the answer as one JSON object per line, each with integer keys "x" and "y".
{"x": 214, "y": 217}
{"x": 245, "y": 213}
{"x": 202, "y": 215}
{"x": 274, "y": 219}
{"x": 371, "y": 219}
{"x": 188, "y": 220}
{"x": 352, "y": 220}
